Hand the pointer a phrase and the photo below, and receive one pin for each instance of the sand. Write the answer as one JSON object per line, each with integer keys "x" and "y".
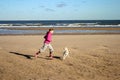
{"x": 92, "y": 57}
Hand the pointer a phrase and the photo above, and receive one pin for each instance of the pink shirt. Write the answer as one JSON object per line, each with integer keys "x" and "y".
{"x": 48, "y": 37}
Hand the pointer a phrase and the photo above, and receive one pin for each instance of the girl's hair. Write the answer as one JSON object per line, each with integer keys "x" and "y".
{"x": 51, "y": 29}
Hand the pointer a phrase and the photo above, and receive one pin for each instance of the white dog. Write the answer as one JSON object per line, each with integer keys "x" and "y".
{"x": 65, "y": 53}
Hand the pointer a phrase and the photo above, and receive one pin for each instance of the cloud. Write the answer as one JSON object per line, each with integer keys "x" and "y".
{"x": 60, "y": 5}
{"x": 84, "y": 1}
{"x": 48, "y": 9}
{"x": 42, "y": 6}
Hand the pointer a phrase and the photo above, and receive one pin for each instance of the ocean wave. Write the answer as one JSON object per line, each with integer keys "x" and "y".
{"x": 71, "y": 25}
{"x": 88, "y": 23}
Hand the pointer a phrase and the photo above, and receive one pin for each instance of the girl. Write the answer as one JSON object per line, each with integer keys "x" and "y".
{"x": 47, "y": 41}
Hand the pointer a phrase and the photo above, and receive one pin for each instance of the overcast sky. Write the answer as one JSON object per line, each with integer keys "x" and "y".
{"x": 59, "y": 9}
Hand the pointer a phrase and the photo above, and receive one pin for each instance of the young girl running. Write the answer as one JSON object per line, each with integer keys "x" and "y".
{"x": 47, "y": 41}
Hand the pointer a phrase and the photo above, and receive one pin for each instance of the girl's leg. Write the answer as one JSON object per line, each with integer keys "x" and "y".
{"x": 51, "y": 51}
{"x": 44, "y": 47}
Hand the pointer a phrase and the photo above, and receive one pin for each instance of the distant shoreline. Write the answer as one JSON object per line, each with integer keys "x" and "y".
{"x": 6, "y": 31}
{"x": 62, "y": 28}
{"x": 61, "y": 34}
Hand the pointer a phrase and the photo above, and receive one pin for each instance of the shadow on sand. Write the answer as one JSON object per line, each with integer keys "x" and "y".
{"x": 31, "y": 56}
{"x": 24, "y": 55}
{"x": 55, "y": 57}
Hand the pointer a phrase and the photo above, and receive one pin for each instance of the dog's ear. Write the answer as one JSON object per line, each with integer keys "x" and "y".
{"x": 66, "y": 48}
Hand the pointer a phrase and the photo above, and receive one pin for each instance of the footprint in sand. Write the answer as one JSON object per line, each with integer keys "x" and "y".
{"x": 104, "y": 46}
{"x": 102, "y": 49}
{"x": 74, "y": 48}
{"x": 0, "y": 48}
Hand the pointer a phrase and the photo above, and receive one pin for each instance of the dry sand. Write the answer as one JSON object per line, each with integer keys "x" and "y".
{"x": 92, "y": 57}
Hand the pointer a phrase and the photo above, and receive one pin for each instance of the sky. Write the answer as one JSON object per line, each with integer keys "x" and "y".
{"x": 59, "y": 9}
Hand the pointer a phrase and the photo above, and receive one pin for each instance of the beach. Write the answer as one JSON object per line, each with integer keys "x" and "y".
{"x": 92, "y": 57}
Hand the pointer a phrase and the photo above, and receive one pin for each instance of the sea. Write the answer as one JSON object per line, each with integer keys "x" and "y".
{"x": 6, "y": 25}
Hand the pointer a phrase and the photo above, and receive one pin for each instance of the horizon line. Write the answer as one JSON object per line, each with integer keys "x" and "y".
{"x": 60, "y": 20}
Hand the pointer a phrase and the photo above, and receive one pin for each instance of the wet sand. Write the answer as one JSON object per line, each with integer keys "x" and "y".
{"x": 62, "y": 28}
{"x": 91, "y": 30}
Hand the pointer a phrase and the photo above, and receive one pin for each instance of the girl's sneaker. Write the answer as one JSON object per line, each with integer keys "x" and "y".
{"x": 50, "y": 57}
{"x": 36, "y": 55}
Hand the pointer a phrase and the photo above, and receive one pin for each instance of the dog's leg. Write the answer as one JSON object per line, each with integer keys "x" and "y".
{"x": 65, "y": 55}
